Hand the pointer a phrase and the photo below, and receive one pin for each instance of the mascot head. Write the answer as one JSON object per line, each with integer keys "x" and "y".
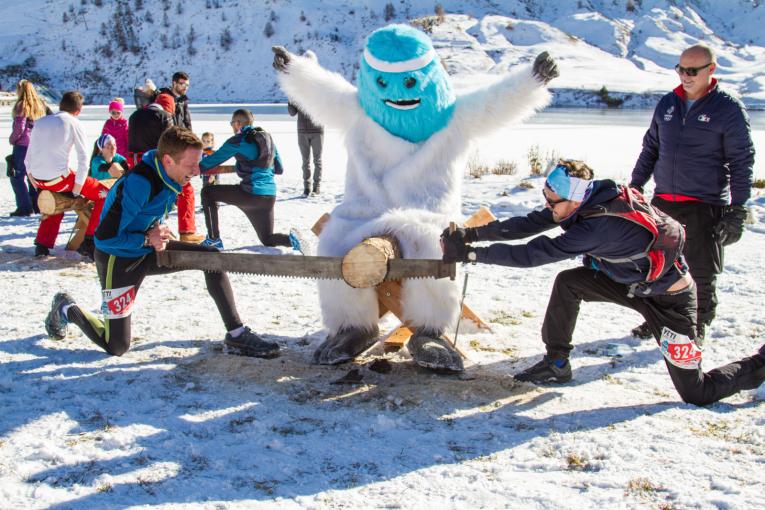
{"x": 402, "y": 85}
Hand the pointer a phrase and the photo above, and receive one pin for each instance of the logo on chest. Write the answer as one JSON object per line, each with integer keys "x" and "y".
{"x": 704, "y": 118}
{"x": 668, "y": 114}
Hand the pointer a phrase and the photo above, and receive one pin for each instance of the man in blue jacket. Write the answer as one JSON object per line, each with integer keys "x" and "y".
{"x": 632, "y": 258}
{"x": 132, "y": 228}
{"x": 699, "y": 151}
{"x": 257, "y": 160}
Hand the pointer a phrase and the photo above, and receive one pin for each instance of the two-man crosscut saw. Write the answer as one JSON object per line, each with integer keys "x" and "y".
{"x": 297, "y": 266}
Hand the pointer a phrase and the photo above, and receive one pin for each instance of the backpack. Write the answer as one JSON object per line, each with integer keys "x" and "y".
{"x": 266, "y": 151}
{"x": 668, "y": 236}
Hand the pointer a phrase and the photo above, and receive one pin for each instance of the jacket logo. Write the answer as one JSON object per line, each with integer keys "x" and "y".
{"x": 668, "y": 114}
{"x": 704, "y": 118}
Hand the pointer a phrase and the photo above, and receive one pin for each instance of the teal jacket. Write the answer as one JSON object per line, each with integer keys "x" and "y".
{"x": 136, "y": 202}
{"x": 99, "y": 168}
{"x": 256, "y": 160}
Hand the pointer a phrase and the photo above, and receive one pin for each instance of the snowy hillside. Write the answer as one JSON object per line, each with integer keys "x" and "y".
{"x": 628, "y": 46}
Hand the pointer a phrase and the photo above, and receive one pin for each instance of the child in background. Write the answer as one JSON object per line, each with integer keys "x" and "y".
{"x": 106, "y": 162}
{"x": 117, "y": 125}
{"x": 208, "y": 142}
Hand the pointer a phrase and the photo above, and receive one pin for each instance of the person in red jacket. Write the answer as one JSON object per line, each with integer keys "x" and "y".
{"x": 117, "y": 126}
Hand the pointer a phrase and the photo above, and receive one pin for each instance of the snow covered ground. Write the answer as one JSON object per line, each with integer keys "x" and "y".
{"x": 176, "y": 422}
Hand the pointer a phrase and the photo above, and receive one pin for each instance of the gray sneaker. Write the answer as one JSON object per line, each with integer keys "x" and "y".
{"x": 56, "y": 322}
{"x": 547, "y": 370}
{"x": 250, "y": 344}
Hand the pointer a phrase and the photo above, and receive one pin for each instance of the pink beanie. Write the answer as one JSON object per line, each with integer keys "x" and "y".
{"x": 116, "y": 105}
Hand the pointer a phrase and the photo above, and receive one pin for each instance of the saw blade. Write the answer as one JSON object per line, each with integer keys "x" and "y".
{"x": 399, "y": 269}
{"x": 253, "y": 263}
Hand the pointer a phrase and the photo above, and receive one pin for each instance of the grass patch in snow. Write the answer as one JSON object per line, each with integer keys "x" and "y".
{"x": 477, "y": 346}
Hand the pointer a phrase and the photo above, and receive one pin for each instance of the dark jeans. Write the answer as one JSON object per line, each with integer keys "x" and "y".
{"x": 703, "y": 250}
{"x": 26, "y": 194}
{"x": 308, "y": 142}
{"x": 259, "y": 209}
{"x": 675, "y": 311}
{"x": 126, "y": 274}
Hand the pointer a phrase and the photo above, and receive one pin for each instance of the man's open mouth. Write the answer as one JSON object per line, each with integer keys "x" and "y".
{"x": 404, "y": 104}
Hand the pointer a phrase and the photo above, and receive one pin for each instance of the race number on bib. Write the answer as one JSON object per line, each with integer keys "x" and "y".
{"x": 680, "y": 350}
{"x": 118, "y": 303}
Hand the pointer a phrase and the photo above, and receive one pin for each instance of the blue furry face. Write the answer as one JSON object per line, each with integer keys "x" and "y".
{"x": 412, "y": 105}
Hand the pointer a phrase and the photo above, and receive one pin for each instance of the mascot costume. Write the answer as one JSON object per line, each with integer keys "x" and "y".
{"x": 408, "y": 135}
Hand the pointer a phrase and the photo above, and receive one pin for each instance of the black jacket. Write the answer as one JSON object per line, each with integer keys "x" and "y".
{"x": 182, "y": 116}
{"x": 145, "y": 126}
{"x": 304, "y": 122}
{"x": 608, "y": 237}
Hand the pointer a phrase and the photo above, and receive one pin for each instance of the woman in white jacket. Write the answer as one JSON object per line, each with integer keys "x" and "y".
{"x": 407, "y": 136}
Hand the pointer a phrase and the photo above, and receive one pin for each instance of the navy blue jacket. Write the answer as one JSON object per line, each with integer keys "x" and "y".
{"x": 603, "y": 236}
{"x": 704, "y": 153}
{"x": 137, "y": 201}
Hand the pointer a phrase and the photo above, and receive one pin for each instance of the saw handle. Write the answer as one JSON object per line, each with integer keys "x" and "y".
{"x": 453, "y": 265}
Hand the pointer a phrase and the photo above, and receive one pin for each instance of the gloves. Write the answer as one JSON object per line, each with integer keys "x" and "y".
{"x": 731, "y": 225}
{"x": 545, "y": 68}
{"x": 455, "y": 244}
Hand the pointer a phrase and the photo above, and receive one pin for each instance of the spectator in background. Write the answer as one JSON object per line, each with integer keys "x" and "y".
{"x": 145, "y": 126}
{"x": 177, "y": 91}
{"x": 106, "y": 162}
{"x": 208, "y": 147}
{"x": 699, "y": 151}
{"x": 310, "y": 138}
{"x": 117, "y": 125}
{"x": 28, "y": 108}
{"x": 50, "y": 146}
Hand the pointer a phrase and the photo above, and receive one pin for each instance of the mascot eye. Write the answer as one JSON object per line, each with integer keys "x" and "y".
{"x": 410, "y": 82}
{"x": 382, "y": 83}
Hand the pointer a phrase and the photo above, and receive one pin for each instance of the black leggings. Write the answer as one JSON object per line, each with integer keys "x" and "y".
{"x": 259, "y": 209}
{"x": 675, "y": 311}
{"x": 124, "y": 276}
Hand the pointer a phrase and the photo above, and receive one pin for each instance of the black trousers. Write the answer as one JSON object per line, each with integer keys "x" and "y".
{"x": 703, "y": 250}
{"x": 674, "y": 311}
{"x": 259, "y": 209}
{"x": 121, "y": 277}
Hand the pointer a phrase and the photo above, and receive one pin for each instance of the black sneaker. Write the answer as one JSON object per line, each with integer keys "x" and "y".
{"x": 316, "y": 189}
{"x": 56, "y": 321}
{"x": 306, "y": 191}
{"x": 250, "y": 344}
{"x": 547, "y": 370}
{"x": 40, "y": 250}
{"x": 642, "y": 331}
{"x": 87, "y": 248}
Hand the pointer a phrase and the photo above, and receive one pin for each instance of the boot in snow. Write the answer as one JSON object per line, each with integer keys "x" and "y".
{"x": 345, "y": 345}
{"x": 248, "y": 343}
{"x": 430, "y": 350}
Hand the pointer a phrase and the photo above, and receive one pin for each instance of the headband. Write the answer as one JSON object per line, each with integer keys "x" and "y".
{"x": 404, "y": 66}
{"x": 566, "y": 186}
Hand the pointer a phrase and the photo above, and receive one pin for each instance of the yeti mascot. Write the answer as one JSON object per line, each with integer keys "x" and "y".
{"x": 407, "y": 136}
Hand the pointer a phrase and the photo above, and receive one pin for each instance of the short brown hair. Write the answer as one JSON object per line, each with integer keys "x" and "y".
{"x": 243, "y": 116}
{"x": 71, "y": 101}
{"x": 175, "y": 140}
{"x": 576, "y": 168}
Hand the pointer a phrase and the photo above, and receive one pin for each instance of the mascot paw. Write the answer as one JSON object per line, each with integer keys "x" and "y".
{"x": 345, "y": 345}
{"x": 545, "y": 68}
{"x": 432, "y": 351}
{"x": 281, "y": 58}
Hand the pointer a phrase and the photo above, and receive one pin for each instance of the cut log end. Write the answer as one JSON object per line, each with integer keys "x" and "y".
{"x": 367, "y": 263}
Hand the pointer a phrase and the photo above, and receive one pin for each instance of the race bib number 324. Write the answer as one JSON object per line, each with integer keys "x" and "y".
{"x": 680, "y": 350}
{"x": 118, "y": 303}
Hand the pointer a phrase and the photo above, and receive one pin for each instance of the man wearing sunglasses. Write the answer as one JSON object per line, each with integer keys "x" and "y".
{"x": 611, "y": 226}
{"x": 699, "y": 151}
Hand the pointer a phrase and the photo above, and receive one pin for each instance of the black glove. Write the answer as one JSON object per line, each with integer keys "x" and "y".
{"x": 731, "y": 225}
{"x": 9, "y": 170}
{"x": 455, "y": 244}
{"x": 545, "y": 68}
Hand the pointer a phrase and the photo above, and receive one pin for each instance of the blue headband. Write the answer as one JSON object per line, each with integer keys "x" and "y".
{"x": 103, "y": 139}
{"x": 566, "y": 186}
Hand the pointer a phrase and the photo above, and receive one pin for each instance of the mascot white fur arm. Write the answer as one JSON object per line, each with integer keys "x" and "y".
{"x": 407, "y": 136}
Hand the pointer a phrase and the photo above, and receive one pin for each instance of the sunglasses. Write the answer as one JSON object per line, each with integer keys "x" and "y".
{"x": 115, "y": 112}
{"x": 690, "y": 71}
{"x": 550, "y": 202}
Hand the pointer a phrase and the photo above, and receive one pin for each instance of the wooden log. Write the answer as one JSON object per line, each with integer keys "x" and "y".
{"x": 51, "y": 203}
{"x": 221, "y": 169}
{"x": 80, "y": 226}
{"x": 481, "y": 217}
{"x": 367, "y": 263}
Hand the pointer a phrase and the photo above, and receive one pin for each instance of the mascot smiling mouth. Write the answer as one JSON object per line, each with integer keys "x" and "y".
{"x": 403, "y": 104}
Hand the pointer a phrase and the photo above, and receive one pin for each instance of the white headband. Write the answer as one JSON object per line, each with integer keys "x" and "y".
{"x": 399, "y": 67}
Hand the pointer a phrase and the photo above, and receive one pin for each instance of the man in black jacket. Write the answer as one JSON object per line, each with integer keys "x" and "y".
{"x": 632, "y": 258}
{"x": 699, "y": 151}
{"x": 178, "y": 90}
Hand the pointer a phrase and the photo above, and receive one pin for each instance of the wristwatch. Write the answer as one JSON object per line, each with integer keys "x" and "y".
{"x": 471, "y": 256}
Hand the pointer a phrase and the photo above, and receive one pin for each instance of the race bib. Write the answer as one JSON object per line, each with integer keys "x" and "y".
{"x": 118, "y": 303}
{"x": 680, "y": 350}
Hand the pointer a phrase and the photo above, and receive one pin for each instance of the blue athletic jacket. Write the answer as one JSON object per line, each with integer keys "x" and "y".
{"x": 136, "y": 202}
{"x": 704, "y": 153}
{"x": 256, "y": 180}
{"x": 602, "y": 236}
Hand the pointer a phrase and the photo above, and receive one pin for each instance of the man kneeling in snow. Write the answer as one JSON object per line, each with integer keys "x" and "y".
{"x": 633, "y": 257}
{"x": 131, "y": 229}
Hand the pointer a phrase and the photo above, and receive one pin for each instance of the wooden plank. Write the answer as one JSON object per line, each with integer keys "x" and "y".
{"x": 481, "y": 217}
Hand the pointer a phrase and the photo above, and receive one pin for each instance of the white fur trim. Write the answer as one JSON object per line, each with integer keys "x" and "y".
{"x": 404, "y": 66}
